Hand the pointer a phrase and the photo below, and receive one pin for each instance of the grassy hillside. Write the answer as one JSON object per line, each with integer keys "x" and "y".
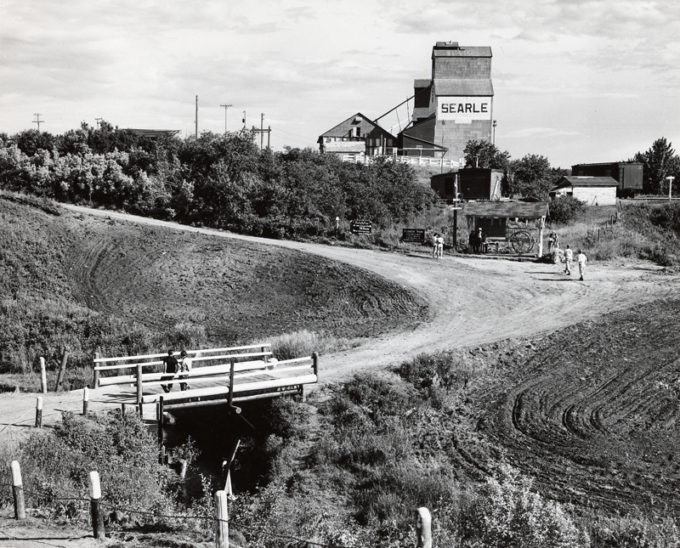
{"x": 648, "y": 232}
{"x": 78, "y": 283}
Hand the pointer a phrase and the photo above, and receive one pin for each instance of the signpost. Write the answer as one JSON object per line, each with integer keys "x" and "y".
{"x": 360, "y": 226}
{"x": 413, "y": 235}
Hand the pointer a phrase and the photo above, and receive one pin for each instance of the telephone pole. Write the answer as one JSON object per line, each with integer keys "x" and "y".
{"x": 244, "y": 119}
{"x": 261, "y": 130}
{"x": 225, "y": 107}
{"x": 196, "y": 119}
{"x": 38, "y": 120}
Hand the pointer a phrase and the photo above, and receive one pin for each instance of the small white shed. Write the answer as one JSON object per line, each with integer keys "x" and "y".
{"x": 594, "y": 191}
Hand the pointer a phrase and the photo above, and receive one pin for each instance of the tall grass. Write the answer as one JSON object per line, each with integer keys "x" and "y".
{"x": 304, "y": 342}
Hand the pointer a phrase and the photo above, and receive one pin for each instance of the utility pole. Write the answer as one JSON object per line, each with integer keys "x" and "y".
{"x": 244, "y": 119}
{"x": 493, "y": 138}
{"x": 225, "y": 107}
{"x": 38, "y": 120}
{"x": 196, "y": 119}
{"x": 269, "y": 135}
{"x": 98, "y": 121}
{"x": 261, "y": 129}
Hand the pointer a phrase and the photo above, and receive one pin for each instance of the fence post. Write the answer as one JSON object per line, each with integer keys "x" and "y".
{"x": 95, "y": 507}
{"x": 18, "y": 491}
{"x": 222, "y": 530}
{"x": 122, "y": 412}
{"x": 95, "y": 380}
{"x": 424, "y": 528}
{"x": 38, "y": 412}
{"x": 86, "y": 399}
{"x": 139, "y": 384}
{"x": 43, "y": 376}
{"x": 62, "y": 371}
{"x": 315, "y": 364}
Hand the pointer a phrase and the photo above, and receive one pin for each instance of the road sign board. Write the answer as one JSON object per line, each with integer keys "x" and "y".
{"x": 360, "y": 226}
{"x": 413, "y": 235}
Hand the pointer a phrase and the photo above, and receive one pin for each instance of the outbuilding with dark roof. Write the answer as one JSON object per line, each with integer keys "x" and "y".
{"x": 594, "y": 191}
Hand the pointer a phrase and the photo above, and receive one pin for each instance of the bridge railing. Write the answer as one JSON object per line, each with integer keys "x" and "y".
{"x": 103, "y": 367}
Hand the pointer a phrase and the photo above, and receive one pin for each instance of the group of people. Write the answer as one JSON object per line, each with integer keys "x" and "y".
{"x": 476, "y": 240}
{"x": 437, "y": 246}
{"x": 566, "y": 256}
{"x": 172, "y": 368}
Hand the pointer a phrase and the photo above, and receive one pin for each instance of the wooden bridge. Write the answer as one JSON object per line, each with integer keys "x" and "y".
{"x": 218, "y": 376}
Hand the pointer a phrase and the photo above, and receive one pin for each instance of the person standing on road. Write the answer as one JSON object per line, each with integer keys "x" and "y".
{"x": 170, "y": 366}
{"x": 568, "y": 260}
{"x": 581, "y": 259}
{"x": 439, "y": 245}
{"x": 435, "y": 240}
{"x": 184, "y": 368}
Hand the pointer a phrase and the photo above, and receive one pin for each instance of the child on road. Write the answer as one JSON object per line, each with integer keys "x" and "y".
{"x": 581, "y": 259}
{"x": 568, "y": 260}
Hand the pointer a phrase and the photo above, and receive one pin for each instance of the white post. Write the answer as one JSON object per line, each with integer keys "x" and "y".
{"x": 670, "y": 180}
{"x": 18, "y": 491}
{"x": 424, "y": 528}
{"x": 222, "y": 514}
{"x": 86, "y": 399}
{"x": 95, "y": 508}
{"x": 38, "y": 412}
{"x": 43, "y": 376}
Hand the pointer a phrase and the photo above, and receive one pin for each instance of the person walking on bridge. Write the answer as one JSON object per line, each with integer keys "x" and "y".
{"x": 170, "y": 367}
{"x": 184, "y": 368}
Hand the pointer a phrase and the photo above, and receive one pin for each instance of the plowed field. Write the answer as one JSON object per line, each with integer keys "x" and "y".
{"x": 591, "y": 412}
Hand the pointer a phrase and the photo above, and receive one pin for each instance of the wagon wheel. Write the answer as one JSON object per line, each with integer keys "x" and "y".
{"x": 522, "y": 242}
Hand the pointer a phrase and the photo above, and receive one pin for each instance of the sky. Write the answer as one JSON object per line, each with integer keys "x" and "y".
{"x": 576, "y": 81}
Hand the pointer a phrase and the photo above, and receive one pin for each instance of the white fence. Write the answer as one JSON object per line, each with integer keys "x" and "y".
{"x": 411, "y": 160}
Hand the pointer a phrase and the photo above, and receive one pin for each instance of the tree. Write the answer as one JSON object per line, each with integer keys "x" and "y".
{"x": 531, "y": 177}
{"x": 659, "y": 161}
{"x": 481, "y": 153}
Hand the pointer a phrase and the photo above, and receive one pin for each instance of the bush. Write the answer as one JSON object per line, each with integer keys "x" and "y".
{"x": 511, "y": 515}
{"x": 565, "y": 209}
{"x": 56, "y": 464}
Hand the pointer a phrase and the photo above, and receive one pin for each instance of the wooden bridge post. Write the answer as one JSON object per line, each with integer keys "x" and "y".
{"x": 43, "y": 376}
{"x": 231, "y": 384}
{"x": 18, "y": 491}
{"x": 315, "y": 364}
{"x": 38, "y": 412}
{"x": 95, "y": 381}
{"x": 424, "y": 528}
{"x": 95, "y": 506}
{"x": 222, "y": 514}
{"x": 140, "y": 392}
{"x": 160, "y": 411}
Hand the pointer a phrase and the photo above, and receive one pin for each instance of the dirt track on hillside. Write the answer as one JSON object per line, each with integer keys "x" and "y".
{"x": 473, "y": 301}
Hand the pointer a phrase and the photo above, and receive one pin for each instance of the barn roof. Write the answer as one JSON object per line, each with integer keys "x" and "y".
{"x": 572, "y": 180}
{"x": 153, "y": 132}
{"x": 463, "y": 87}
{"x": 507, "y": 210}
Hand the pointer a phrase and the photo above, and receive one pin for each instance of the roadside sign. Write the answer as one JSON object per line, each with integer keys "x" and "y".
{"x": 360, "y": 226}
{"x": 413, "y": 235}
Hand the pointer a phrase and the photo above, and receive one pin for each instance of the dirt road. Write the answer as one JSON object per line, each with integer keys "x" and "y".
{"x": 473, "y": 301}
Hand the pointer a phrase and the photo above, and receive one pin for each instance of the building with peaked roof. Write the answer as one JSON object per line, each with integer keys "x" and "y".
{"x": 355, "y": 137}
{"x": 452, "y": 107}
{"x": 153, "y": 133}
{"x": 594, "y": 191}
